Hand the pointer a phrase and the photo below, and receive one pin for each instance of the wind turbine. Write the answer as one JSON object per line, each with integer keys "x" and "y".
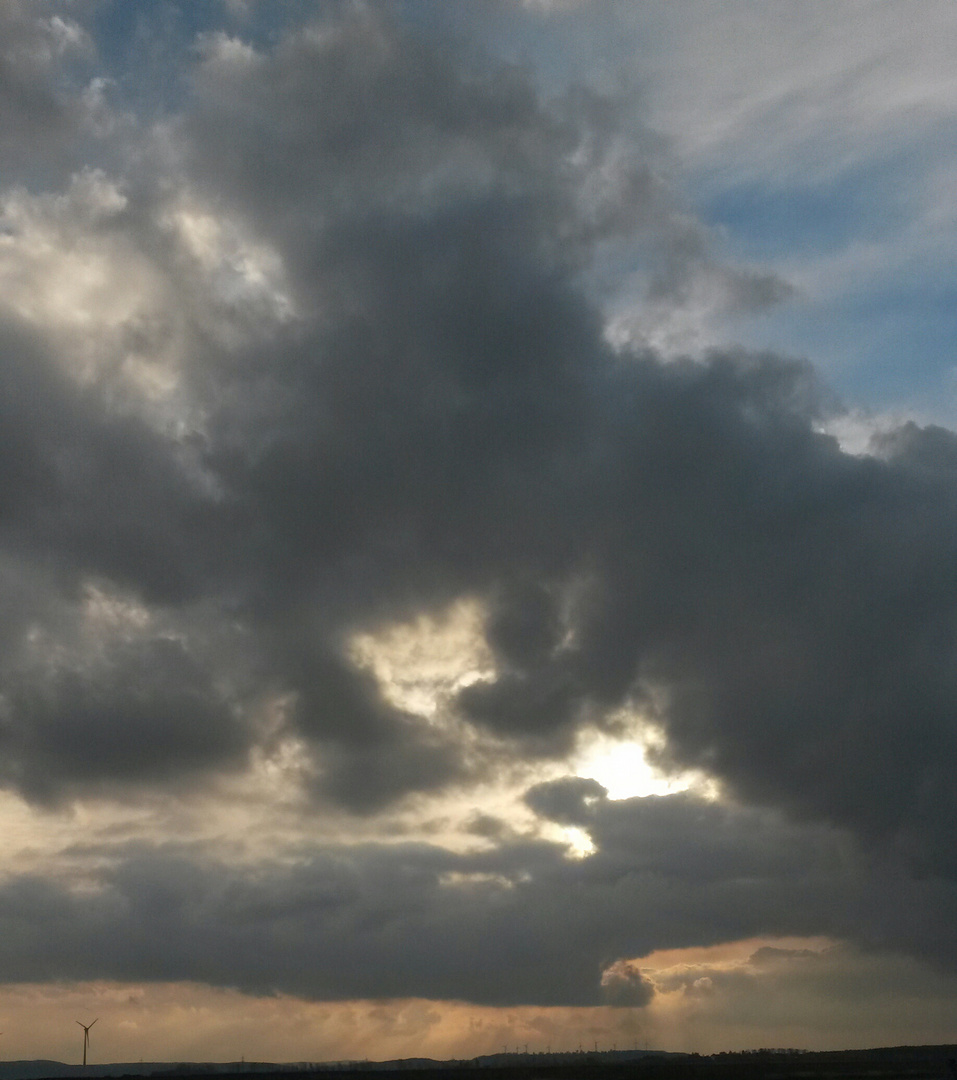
{"x": 86, "y": 1036}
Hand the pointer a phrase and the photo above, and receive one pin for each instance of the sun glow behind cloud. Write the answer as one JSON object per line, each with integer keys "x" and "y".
{"x": 622, "y": 767}
{"x": 421, "y": 662}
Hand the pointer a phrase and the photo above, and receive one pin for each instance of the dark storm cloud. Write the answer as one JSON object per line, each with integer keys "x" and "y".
{"x": 145, "y": 712}
{"x": 87, "y": 489}
{"x": 87, "y": 495}
{"x": 372, "y": 752}
{"x": 519, "y": 924}
{"x": 441, "y": 417}
{"x": 568, "y": 801}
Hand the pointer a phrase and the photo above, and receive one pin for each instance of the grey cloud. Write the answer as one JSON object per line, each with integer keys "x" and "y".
{"x": 445, "y": 426}
{"x": 145, "y": 712}
{"x": 485, "y": 825}
{"x": 87, "y": 488}
{"x": 368, "y": 921}
{"x": 441, "y": 417}
{"x": 363, "y": 116}
{"x": 755, "y": 872}
{"x": 45, "y": 58}
{"x": 89, "y": 496}
{"x": 624, "y": 985}
{"x": 31, "y": 104}
{"x": 403, "y": 759}
{"x": 569, "y": 801}
{"x": 524, "y": 626}
{"x": 517, "y": 924}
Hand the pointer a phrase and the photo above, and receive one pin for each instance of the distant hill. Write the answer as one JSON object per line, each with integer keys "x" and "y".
{"x": 884, "y": 1063}
{"x": 52, "y": 1070}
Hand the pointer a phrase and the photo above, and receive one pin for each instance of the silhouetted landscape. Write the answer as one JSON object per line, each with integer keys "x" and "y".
{"x": 882, "y": 1063}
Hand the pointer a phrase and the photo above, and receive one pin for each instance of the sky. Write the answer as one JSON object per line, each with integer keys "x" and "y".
{"x": 478, "y": 514}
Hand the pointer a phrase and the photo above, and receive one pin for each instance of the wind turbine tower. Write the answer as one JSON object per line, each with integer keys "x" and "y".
{"x": 86, "y": 1036}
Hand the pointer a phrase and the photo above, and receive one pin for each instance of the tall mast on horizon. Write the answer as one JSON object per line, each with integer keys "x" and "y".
{"x": 86, "y": 1036}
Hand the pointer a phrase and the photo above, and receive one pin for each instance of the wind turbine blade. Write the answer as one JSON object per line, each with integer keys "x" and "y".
{"x": 91, "y": 1025}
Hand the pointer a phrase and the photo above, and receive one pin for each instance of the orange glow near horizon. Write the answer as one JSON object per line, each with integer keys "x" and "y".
{"x": 768, "y": 1002}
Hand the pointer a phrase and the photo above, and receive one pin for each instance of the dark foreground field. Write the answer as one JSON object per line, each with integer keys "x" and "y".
{"x": 890, "y": 1063}
{"x": 897, "y": 1063}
